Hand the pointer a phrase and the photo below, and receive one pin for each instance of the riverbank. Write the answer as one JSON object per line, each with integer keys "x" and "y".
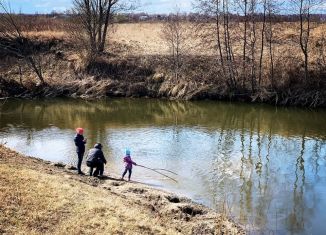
{"x": 41, "y": 197}
{"x": 137, "y": 63}
{"x": 158, "y": 86}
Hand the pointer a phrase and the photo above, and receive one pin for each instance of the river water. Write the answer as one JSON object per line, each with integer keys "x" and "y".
{"x": 263, "y": 166}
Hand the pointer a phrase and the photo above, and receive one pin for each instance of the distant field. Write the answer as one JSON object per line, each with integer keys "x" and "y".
{"x": 143, "y": 38}
{"x": 146, "y": 39}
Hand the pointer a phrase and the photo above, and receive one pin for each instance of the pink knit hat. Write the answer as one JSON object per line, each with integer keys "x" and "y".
{"x": 80, "y": 130}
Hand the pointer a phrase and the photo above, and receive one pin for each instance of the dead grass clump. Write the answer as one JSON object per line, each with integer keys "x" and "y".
{"x": 118, "y": 69}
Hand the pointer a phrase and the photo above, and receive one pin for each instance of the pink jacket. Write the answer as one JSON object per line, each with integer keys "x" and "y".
{"x": 128, "y": 162}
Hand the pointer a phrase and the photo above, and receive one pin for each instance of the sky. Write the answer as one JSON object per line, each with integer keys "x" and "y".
{"x": 46, "y": 6}
{"x": 148, "y": 6}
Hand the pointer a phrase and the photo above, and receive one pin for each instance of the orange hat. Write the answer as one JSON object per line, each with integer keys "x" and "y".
{"x": 79, "y": 130}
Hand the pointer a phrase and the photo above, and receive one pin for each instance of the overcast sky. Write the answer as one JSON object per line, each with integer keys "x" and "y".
{"x": 46, "y": 6}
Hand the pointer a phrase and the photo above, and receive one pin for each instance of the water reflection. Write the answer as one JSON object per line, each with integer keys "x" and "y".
{"x": 266, "y": 164}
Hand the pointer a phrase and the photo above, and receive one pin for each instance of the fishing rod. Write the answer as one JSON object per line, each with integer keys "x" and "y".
{"x": 158, "y": 172}
{"x": 166, "y": 171}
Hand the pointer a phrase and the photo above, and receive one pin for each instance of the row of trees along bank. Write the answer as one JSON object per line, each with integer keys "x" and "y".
{"x": 247, "y": 53}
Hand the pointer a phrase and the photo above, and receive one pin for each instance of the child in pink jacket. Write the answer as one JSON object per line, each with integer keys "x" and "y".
{"x": 128, "y": 164}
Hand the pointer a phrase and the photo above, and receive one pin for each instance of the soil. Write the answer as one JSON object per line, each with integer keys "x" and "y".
{"x": 157, "y": 211}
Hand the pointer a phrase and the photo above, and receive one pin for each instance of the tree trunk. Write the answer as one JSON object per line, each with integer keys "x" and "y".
{"x": 218, "y": 36}
{"x": 304, "y": 34}
{"x": 262, "y": 45}
{"x": 37, "y": 70}
{"x": 100, "y": 22}
{"x": 106, "y": 25}
{"x": 270, "y": 39}
{"x": 227, "y": 45}
{"x": 244, "y": 44}
{"x": 253, "y": 46}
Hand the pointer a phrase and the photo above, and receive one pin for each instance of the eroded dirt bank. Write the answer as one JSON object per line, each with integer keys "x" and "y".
{"x": 39, "y": 197}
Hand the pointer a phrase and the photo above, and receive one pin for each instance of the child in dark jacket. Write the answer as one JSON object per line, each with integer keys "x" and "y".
{"x": 96, "y": 160}
{"x": 80, "y": 142}
{"x": 128, "y": 165}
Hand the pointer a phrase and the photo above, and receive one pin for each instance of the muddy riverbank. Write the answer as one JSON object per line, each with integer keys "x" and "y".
{"x": 42, "y": 197}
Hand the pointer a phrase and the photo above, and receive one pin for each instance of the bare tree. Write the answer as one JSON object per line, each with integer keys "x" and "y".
{"x": 253, "y": 39}
{"x": 271, "y": 8}
{"x": 174, "y": 33}
{"x": 228, "y": 44}
{"x": 94, "y": 17}
{"x": 212, "y": 35}
{"x": 218, "y": 34}
{"x": 305, "y": 32}
{"x": 305, "y": 9}
{"x": 243, "y": 5}
{"x": 264, "y": 6}
{"x": 15, "y": 43}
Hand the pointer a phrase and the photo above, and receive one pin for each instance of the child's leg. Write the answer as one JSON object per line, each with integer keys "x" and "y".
{"x": 130, "y": 171}
{"x": 124, "y": 173}
{"x": 97, "y": 171}
{"x": 101, "y": 166}
{"x": 91, "y": 169}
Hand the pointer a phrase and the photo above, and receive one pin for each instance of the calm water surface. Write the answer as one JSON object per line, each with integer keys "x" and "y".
{"x": 265, "y": 166}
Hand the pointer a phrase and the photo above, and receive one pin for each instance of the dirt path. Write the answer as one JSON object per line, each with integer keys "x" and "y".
{"x": 38, "y": 197}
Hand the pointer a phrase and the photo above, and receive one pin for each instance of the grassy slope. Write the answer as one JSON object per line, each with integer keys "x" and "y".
{"x": 138, "y": 65}
{"x": 33, "y": 202}
{"x": 38, "y": 198}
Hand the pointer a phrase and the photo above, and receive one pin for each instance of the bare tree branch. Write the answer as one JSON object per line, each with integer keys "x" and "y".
{"x": 13, "y": 41}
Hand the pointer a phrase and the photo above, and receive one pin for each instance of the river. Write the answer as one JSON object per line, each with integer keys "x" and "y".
{"x": 264, "y": 166}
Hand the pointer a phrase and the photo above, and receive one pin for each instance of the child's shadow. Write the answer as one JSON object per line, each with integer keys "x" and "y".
{"x": 108, "y": 178}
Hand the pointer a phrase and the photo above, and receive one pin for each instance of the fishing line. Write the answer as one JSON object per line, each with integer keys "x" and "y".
{"x": 158, "y": 172}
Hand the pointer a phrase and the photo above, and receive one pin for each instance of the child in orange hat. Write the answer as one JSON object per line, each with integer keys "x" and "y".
{"x": 80, "y": 142}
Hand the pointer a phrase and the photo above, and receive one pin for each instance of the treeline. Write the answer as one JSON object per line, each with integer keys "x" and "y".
{"x": 241, "y": 48}
{"x": 250, "y": 50}
{"x": 57, "y": 21}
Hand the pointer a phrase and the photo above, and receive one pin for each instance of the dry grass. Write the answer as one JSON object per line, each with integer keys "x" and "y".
{"x": 137, "y": 52}
{"x": 145, "y": 38}
{"x": 37, "y": 198}
{"x": 36, "y": 203}
{"x": 48, "y": 34}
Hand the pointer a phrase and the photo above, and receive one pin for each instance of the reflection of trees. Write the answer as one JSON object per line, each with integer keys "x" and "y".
{"x": 247, "y": 183}
{"x": 30, "y": 137}
{"x": 253, "y": 131}
{"x": 261, "y": 204}
{"x": 296, "y": 217}
{"x": 66, "y": 113}
{"x": 316, "y": 157}
{"x": 242, "y": 177}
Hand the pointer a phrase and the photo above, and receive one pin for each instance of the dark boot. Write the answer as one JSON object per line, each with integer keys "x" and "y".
{"x": 91, "y": 171}
{"x": 101, "y": 169}
{"x": 96, "y": 172}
